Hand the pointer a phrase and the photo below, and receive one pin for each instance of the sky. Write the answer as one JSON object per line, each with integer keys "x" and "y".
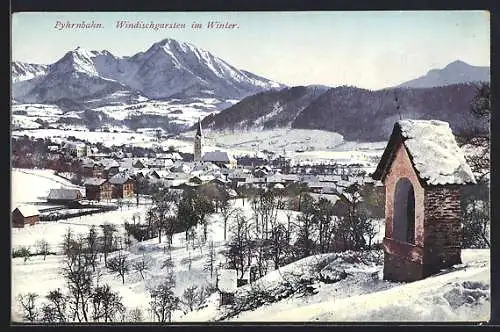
{"x": 367, "y": 49}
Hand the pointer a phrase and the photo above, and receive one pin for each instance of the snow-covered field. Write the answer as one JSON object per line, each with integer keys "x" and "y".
{"x": 182, "y": 112}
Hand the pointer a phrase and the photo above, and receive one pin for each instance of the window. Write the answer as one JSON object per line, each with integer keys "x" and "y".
{"x": 403, "y": 220}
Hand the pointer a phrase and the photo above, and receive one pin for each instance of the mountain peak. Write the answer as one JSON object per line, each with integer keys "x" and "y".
{"x": 457, "y": 63}
{"x": 455, "y": 72}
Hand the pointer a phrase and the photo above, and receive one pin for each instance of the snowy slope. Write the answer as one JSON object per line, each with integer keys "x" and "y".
{"x": 461, "y": 294}
{"x": 21, "y": 71}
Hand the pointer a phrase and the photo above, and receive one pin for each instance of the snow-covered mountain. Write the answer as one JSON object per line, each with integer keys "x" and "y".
{"x": 168, "y": 69}
{"x": 73, "y": 77}
{"x": 454, "y": 73}
{"x": 22, "y": 71}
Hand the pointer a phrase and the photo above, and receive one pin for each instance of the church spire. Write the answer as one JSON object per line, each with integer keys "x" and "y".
{"x": 198, "y": 130}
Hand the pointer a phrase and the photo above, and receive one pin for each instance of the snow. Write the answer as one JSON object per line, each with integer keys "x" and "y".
{"x": 227, "y": 280}
{"x": 28, "y": 211}
{"x": 435, "y": 153}
{"x": 459, "y": 294}
{"x": 33, "y": 185}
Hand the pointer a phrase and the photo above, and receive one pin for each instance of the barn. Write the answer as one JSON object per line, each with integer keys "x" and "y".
{"x": 422, "y": 169}
{"x": 23, "y": 215}
{"x": 69, "y": 197}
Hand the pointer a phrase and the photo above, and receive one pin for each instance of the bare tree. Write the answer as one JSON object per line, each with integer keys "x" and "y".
{"x": 108, "y": 231}
{"x": 28, "y": 305}
{"x": 135, "y": 315}
{"x": 92, "y": 248}
{"x": 106, "y": 304}
{"x": 163, "y": 300}
{"x": 236, "y": 251}
{"x": 227, "y": 212}
{"x": 189, "y": 299}
{"x": 78, "y": 276}
{"x": 210, "y": 260}
{"x": 42, "y": 248}
{"x": 142, "y": 265}
{"x": 119, "y": 265}
{"x": 57, "y": 306}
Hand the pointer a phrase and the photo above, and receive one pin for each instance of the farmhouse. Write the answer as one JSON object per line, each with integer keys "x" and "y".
{"x": 422, "y": 169}
{"x": 64, "y": 196}
{"x": 98, "y": 189}
{"x": 23, "y": 215}
{"x": 122, "y": 186}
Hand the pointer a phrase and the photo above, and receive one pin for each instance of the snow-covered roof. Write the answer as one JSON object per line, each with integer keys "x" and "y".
{"x": 434, "y": 152}
{"x": 227, "y": 280}
{"x": 28, "y": 210}
{"x": 94, "y": 182}
{"x": 64, "y": 194}
{"x": 119, "y": 179}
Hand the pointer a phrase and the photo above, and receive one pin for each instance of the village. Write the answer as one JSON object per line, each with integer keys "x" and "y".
{"x": 113, "y": 177}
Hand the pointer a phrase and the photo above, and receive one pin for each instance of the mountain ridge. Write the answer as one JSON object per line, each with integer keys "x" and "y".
{"x": 166, "y": 69}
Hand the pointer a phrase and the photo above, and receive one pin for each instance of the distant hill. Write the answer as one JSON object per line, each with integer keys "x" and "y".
{"x": 357, "y": 114}
{"x": 365, "y": 115}
{"x": 269, "y": 109}
{"x": 454, "y": 73}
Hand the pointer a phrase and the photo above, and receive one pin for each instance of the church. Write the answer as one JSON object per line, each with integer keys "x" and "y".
{"x": 220, "y": 158}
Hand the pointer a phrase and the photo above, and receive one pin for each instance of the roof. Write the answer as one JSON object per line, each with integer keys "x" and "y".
{"x": 119, "y": 179}
{"x": 433, "y": 150}
{"x": 227, "y": 280}
{"x": 64, "y": 194}
{"x": 94, "y": 182}
{"x": 218, "y": 156}
{"x": 28, "y": 210}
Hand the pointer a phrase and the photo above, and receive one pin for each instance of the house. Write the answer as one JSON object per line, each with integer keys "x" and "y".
{"x": 23, "y": 215}
{"x": 110, "y": 168}
{"x": 122, "y": 186}
{"x": 98, "y": 189}
{"x": 226, "y": 285}
{"x": 53, "y": 148}
{"x": 422, "y": 169}
{"x": 75, "y": 149}
{"x": 220, "y": 158}
{"x": 69, "y": 197}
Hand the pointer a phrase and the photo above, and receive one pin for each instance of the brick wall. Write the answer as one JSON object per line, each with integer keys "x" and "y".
{"x": 397, "y": 268}
{"x": 402, "y": 168}
{"x": 443, "y": 218}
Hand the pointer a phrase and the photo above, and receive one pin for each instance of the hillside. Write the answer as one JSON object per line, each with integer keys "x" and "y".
{"x": 265, "y": 110}
{"x": 364, "y": 115}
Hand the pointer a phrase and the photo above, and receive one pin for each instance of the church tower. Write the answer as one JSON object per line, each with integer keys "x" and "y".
{"x": 197, "y": 143}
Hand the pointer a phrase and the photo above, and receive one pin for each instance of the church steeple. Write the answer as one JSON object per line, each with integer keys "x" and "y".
{"x": 198, "y": 130}
{"x": 198, "y": 142}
